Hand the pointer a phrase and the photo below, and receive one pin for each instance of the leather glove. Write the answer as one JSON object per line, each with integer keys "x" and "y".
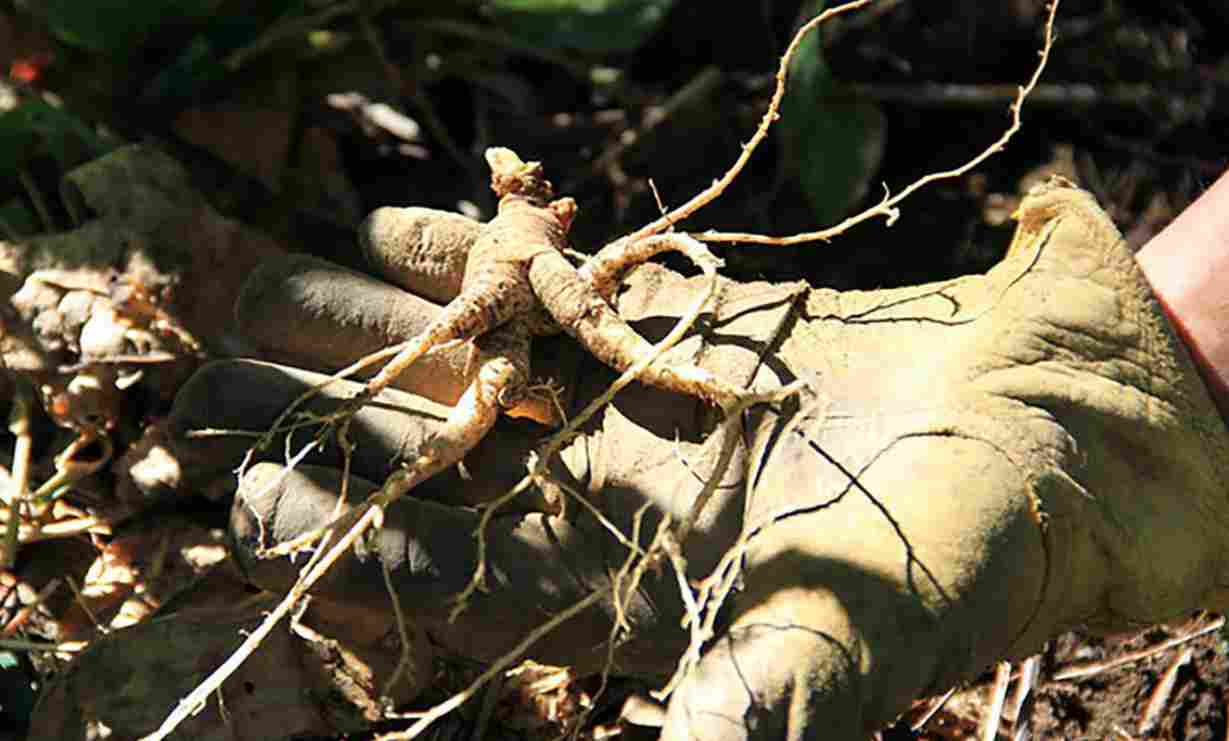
{"x": 975, "y": 466}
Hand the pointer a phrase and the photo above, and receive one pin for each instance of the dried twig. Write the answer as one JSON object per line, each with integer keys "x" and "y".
{"x": 697, "y": 90}
{"x": 23, "y": 615}
{"x": 405, "y": 664}
{"x": 19, "y": 645}
{"x": 460, "y": 698}
{"x": 84, "y": 604}
{"x": 935, "y": 707}
{"x": 597, "y": 514}
{"x": 431, "y": 119}
{"x": 1058, "y": 95}
{"x": 998, "y": 693}
{"x": 293, "y": 26}
{"x": 69, "y": 470}
{"x": 1164, "y": 689}
{"x": 1021, "y": 705}
{"x": 200, "y": 695}
{"x": 67, "y": 528}
{"x": 19, "y": 425}
{"x": 1080, "y": 671}
{"x": 712, "y": 192}
{"x": 887, "y": 208}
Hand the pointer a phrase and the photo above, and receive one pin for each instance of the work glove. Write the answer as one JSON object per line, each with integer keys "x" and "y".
{"x": 972, "y": 467}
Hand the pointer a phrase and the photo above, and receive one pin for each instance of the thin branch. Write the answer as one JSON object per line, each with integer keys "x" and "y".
{"x": 990, "y": 725}
{"x": 695, "y": 93}
{"x": 1064, "y": 95}
{"x": 596, "y": 513}
{"x": 288, "y": 29}
{"x": 195, "y": 700}
{"x": 405, "y": 665}
{"x": 1079, "y": 671}
{"x": 19, "y": 645}
{"x": 1164, "y": 689}
{"x": 19, "y": 426}
{"x": 709, "y": 194}
{"x": 85, "y": 606}
{"x": 935, "y": 707}
{"x": 887, "y": 208}
{"x": 23, "y": 615}
{"x": 460, "y": 698}
{"x": 1022, "y": 701}
{"x": 493, "y": 37}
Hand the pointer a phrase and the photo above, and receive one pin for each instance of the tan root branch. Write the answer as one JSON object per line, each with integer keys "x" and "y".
{"x": 887, "y": 208}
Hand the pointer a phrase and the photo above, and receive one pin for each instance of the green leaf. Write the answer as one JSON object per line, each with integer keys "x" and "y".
{"x": 17, "y": 140}
{"x": 36, "y": 127}
{"x": 200, "y": 62}
{"x": 835, "y": 147}
{"x": 598, "y": 26}
{"x": 17, "y": 220}
{"x": 197, "y": 66}
{"x": 117, "y": 25}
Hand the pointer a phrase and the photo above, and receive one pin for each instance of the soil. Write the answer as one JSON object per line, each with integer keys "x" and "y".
{"x": 1108, "y": 703}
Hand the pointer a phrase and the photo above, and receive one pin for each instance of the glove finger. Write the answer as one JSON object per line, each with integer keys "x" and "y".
{"x": 249, "y": 396}
{"x": 420, "y": 249}
{"x": 908, "y": 581}
{"x": 308, "y": 312}
{"x": 536, "y": 565}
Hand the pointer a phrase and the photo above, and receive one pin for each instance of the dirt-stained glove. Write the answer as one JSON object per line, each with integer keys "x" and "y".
{"x": 977, "y": 465}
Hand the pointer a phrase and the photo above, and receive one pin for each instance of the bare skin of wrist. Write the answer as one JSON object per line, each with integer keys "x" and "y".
{"x": 1187, "y": 264}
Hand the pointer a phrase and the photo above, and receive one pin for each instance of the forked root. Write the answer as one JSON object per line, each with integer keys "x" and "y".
{"x": 585, "y": 313}
{"x": 467, "y": 424}
{"x": 499, "y": 382}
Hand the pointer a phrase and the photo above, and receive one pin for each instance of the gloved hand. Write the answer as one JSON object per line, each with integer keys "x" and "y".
{"x": 976, "y": 466}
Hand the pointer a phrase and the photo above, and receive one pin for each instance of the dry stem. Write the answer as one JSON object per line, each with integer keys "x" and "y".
{"x": 19, "y": 425}
{"x": 935, "y": 707}
{"x": 23, "y": 615}
{"x": 712, "y": 192}
{"x": 1021, "y": 700}
{"x": 1164, "y": 689}
{"x": 405, "y": 664}
{"x": 998, "y": 695}
{"x": 887, "y": 207}
{"x": 460, "y": 698}
{"x": 1079, "y": 671}
{"x": 68, "y": 647}
{"x": 191, "y": 704}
